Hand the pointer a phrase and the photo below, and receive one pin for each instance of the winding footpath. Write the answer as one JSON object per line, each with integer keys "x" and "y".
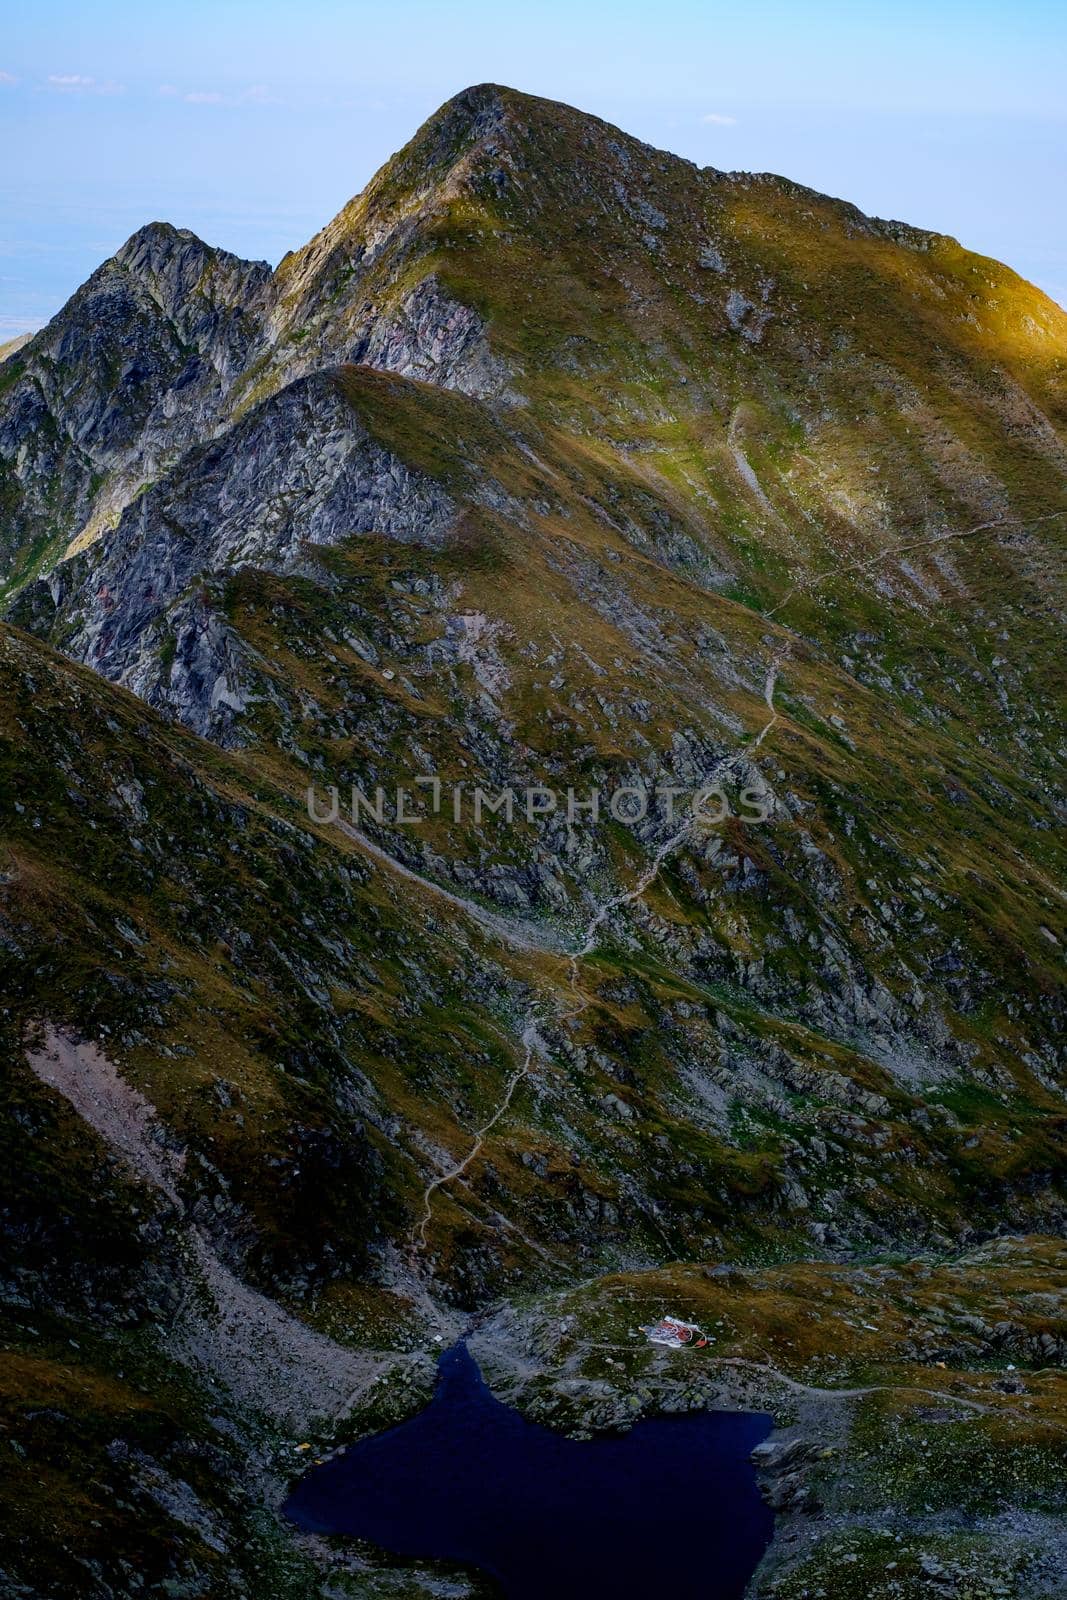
{"x": 528, "y": 937}
{"x": 868, "y": 563}
{"x": 533, "y": 1044}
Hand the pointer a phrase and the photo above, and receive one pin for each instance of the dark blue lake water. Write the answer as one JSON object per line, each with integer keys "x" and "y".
{"x": 672, "y": 1503}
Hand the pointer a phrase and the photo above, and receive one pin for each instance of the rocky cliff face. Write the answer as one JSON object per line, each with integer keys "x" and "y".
{"x": 295, "y": 472}
{"x": 171, "y": 339}
{"x": 552, "y": 463}
{"x": 127, "y": 377}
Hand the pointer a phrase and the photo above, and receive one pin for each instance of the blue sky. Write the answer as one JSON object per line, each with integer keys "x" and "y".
{"x": 253, "y": 123}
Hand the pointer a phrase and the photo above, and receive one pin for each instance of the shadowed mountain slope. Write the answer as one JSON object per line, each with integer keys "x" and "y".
{"x": 553, "y": 463}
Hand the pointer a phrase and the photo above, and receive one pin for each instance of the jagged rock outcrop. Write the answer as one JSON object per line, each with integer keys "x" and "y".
{"x": 435, "y": 339}
{"x": 172, "y": 338}
{"x": 126, "y": 378}
{"x": 300, "y": 471}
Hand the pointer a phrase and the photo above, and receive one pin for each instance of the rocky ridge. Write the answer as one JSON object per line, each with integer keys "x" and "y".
{"x": 552, "y": 461}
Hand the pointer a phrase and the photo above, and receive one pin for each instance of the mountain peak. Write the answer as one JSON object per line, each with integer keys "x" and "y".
{"x": 447, "y": 137}
{"x": 484, "y": 111}
{"x": 171, "y": 263}
{"x": 158, "y": 236}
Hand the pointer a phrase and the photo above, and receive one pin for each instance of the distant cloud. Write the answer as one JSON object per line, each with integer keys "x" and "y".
{"x": 257, "y": 94}
{"x": 78, "y": 83}
{"x": 719, "y": 119}
{"x": 8, "y": 78}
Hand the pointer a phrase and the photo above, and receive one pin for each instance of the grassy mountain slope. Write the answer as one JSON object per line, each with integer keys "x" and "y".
{"x": 552, "y": 461}
{"x": 891, "y": 924}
